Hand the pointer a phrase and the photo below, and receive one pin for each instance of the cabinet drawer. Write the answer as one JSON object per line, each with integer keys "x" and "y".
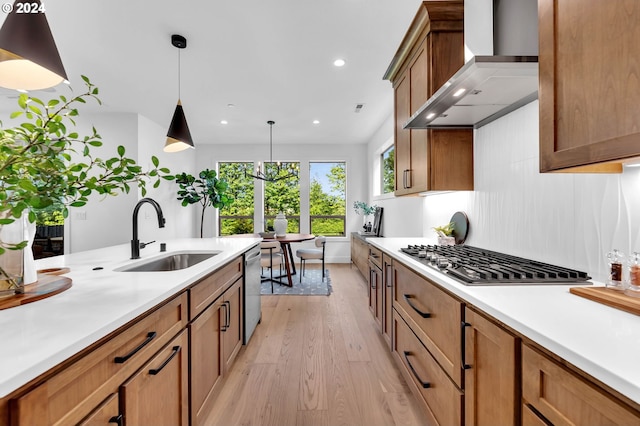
{"x": 375, "y": 256}
{"x": 210, "y": 288}
{"x": 566, "y": 399}
{"x": 433, "y": 315}
{"x": 443, "y": 399}
{"x": 69, "y": 396}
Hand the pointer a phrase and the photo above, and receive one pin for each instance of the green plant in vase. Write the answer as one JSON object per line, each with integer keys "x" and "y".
{"x": 365, "y": 210}
{"x": 45, "y": 163}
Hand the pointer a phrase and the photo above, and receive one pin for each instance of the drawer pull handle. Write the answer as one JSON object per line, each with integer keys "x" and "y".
{"x": 424, "y": 384}
{"x": 463, "y": 350}
{"x": 116, "y": 419}
{"x": 226, "y": 315}
{"x": 155, "y": 371}
{"x": 407, "y": 298}
{"x": 122, "y": 359}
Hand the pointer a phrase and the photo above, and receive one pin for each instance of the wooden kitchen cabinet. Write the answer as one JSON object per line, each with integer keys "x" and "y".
{"x": 441, "y": 399}
{"x": 558, "y": 396}
{"x": 360, "y": 253}
{"x": 491, "y": 387}
{"x": 376, "y": 285}
{"x": 387, "y": 297}
{"x": 215, "y": 339}
{"x": 433, "y": 315}
{"x": 158, "y": 394}
{"x": 107, "y": 414}
{"x": 79, "y": 389}
{"x": 588, "y": 90}
{"x": 431, "y": 52}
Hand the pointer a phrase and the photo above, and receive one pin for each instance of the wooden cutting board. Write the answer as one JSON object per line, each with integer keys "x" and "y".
{"x": 610, "y": 297}
{"x": 46, "y": 286}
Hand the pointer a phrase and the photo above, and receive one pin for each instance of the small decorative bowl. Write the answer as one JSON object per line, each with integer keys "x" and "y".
{"x": 267, "y": 234}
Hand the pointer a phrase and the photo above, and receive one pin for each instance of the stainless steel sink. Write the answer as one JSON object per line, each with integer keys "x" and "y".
{"x": 169, "y": 262}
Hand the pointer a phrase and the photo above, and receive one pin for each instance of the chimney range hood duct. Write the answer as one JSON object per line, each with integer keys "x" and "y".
{"x": 501, "y": 77}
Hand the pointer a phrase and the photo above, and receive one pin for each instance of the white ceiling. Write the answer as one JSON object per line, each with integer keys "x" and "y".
{"x": 272, "y": 59}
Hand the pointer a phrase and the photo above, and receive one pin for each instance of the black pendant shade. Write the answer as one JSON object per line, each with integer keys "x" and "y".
{"x": 178, "y": 136}
{"x": 29, "y": 58}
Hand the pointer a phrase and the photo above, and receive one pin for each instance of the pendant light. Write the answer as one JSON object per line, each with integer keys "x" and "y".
{"x": 178, "y": 135}
{"x": 277, "y": 172}
{"x": 29, "y": 58}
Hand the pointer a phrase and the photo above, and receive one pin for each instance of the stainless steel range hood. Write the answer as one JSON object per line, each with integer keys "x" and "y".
{"x": 490, "y": 85}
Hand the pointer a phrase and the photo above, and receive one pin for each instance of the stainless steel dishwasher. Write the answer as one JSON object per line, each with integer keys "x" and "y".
{"x": 252, "y": 309}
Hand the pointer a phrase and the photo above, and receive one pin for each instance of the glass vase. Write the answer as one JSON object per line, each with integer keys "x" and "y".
{"x": 12, "y": 261}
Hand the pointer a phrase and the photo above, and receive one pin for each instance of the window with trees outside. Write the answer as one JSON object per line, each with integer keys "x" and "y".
{"x": 327, "y": 198}
{"x": 238, "y": 217}
{"x": 283, "y": 196}
{"x": 388, "y": 167}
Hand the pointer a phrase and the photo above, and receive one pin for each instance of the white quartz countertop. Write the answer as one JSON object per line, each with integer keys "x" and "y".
{"x": 600, "y": 340}
{"x": 37, "y": 336}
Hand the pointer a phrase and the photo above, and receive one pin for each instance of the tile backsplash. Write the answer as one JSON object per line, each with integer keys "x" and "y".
{"x": 571, "y": 220}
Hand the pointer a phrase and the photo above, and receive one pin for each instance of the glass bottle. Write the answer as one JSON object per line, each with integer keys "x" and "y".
{"x": 615, "y": 258}
{"x": 633, "y": 289}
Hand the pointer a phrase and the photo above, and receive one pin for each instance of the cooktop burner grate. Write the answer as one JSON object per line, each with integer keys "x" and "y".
{"x": 476, "y": 266}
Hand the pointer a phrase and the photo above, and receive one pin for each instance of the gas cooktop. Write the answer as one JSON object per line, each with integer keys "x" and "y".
{"x": 476, "y": 266}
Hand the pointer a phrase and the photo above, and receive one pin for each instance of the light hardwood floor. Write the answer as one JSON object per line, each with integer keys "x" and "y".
{"x": 317, "y": 360}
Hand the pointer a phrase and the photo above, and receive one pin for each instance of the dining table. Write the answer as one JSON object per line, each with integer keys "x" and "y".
{"x": 285, "y": 244}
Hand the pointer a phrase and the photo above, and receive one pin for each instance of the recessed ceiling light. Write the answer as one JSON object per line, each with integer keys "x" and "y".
{"x": 230, "y": 105}
{"x": 223, "y": 122}
{"x": 339, "y": 62}
{"x": 316, "y": 122}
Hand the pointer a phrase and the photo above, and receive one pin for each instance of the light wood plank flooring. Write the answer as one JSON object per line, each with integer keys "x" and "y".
{"x": 317, "y": 360}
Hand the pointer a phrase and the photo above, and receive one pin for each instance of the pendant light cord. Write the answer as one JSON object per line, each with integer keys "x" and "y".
{"x": 179, "y": 78}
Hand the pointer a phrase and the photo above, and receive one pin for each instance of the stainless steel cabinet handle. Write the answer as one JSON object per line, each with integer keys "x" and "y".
{"x": 155, "y": 371}
{"x": 122, "y": 359}
{"x": 424, "y": 384}
{"x": 407, "y": 298}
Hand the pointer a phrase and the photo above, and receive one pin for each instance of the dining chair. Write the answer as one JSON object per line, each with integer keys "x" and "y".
{"x": 270, "y": 257}
{"x": 312, "y": 254}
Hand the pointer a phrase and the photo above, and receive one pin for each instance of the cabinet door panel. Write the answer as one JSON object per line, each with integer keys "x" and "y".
{"x": 387, "y": 303}
{"x": 158, "y": 394}
{"x": 232, "y": 332}
{"x": 107, "y": 414}
{"x": 206, "y": 360}
{"x": 402, "y": 137}
{"x": 589, "y": 87}
{"x": 491, "y": 392}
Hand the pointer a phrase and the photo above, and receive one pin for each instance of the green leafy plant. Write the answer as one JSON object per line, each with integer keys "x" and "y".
{"x": 446, "y": 230}
{"x": 44, "y": 163}
{"x": 362, "y": 208}
{"x": 207, "y": 189}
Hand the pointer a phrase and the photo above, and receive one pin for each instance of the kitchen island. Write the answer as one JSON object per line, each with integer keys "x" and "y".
{"x": 39, "y": 336}
{"x": 590, "y": 341}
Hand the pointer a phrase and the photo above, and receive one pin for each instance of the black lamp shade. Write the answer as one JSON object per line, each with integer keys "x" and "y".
{"x": 29, "y": 58}
{"x": 178, "y": 136}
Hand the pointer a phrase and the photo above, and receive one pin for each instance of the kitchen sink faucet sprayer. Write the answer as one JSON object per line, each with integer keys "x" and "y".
{"x": 135, "y": 243}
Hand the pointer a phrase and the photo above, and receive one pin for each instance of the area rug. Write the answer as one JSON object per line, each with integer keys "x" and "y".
{"x": 312, "y": 285}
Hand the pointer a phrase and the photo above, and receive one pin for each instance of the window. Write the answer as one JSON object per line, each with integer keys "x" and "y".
{"x": 388, "y": 169}
{"x": 238, "y": 217}
{"x": 283, "y": 196}
{"x": 327, "y": 198}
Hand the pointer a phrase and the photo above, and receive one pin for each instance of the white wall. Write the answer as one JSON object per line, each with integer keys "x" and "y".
{"x": 571, "y": 220}
{"x": 338, "y": 248}
{"x": 401, "y": 216}
{"x": 107, "y": 221}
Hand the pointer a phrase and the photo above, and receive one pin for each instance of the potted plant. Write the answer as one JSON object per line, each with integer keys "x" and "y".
{"x": 44, "y": 163}
{"x": 207, "y": 189}
{"x": 445, "y": 234}
{"x": 365, "y": 210}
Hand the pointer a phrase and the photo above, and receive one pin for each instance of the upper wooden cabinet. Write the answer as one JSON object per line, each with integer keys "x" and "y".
{"x": 589, "y": 85}
{"x": 430, "y": 53}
